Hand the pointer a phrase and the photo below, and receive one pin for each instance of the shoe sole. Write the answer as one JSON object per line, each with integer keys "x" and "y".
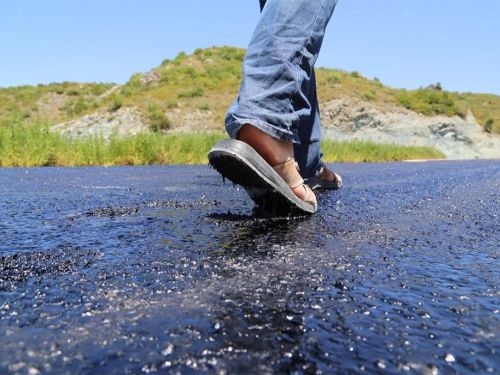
{"x": 242, "y": 165}
{"x": 316, "y": 183}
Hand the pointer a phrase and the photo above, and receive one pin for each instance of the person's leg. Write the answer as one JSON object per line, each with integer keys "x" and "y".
{"x": 278, "y": 68}
{"x": 308, "y": 153}
{"x": 262, "y": 4}
{"x": 277, "y": 75}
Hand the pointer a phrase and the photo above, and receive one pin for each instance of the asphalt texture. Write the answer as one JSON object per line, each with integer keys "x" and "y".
{"x": 165, "y": 269}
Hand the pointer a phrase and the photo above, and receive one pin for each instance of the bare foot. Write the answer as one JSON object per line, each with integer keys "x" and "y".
{"x": 274, "y": 152}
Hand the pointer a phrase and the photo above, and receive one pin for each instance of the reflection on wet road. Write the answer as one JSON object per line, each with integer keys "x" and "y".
{"x": 164, "y": 269}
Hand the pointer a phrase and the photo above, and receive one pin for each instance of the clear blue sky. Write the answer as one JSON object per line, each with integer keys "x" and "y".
{"x": 405, "y": 43}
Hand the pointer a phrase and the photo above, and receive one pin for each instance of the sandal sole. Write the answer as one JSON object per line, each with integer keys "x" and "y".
{"x": 316, "y": 183}
{"x": 242, "y": 165}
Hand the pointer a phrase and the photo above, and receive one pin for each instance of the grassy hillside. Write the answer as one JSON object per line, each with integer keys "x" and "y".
{"x": 54, "y": 102}
{"x": 205, "y": 83}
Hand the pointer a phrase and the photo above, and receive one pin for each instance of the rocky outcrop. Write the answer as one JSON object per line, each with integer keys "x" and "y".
{"x": 122, "y": 122}
{"x": 150, "y": 78}
{"x": 49, "y": 105}
{"x": 456, "y": 137}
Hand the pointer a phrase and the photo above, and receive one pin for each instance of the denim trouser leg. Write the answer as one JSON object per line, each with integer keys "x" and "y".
{"x": 278, "y": 92}
{"x": 308, "y": 153}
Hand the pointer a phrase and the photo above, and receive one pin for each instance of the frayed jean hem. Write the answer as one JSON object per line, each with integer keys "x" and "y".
{"x": 234, "y": 126}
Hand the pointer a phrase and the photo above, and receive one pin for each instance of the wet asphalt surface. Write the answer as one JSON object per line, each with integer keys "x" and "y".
{"x": 164, "y": 269}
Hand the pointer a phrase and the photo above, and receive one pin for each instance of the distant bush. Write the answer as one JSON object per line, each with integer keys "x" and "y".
{"x": 116, "y": 104}
{"x": 230, "y": 53}
{"x": 180, "y": 58}
{"x": 355, "y": 74}
{"x": 157, "y": 117}
{"x": 80, "y": 106}
{"x": 428, "y": 102}
{"x": 205, "y": 107}
{"x": 376, "y": 83}
{"x": 188, "y": 71}
{"x": 68, "y": 107}
{"x": 172, "y": 103}
{"x": 92, "y": 103}
{"x": 488, "y": 126}
{"x": 369, "y": 95}
{"x": 73, "y": 92}
{"x": 133, "y": 86}
{"x": 12, "y": 108}
{"x": 191, "y": 93}
{"x": 436, "y": 87}
{"x": 98, "y": 90}
{"x": 333, "y": 79}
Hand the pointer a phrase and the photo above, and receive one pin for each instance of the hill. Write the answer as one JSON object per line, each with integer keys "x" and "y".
{"x": 194, "y": 91}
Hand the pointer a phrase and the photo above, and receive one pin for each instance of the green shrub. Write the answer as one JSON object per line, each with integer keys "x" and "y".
{"x": 133, "y": 86}
{"x": 205, "y": 107}
{"x": 68, "y": 107}
{"x": 488, "y": 126}
{"x": 171, "y": 103}
{"x": 12, "y": 108}
{"x": 92, "y": 103}
{"x": 436, "y": 87}
{"x": 157, "y": 117}
{"x": 428, "y": 102}
{"x": 191, "y": 93}
{"x": 116, "y": 104}
{"x": 369, "y": 95}
{"x": 333, "y": 79}
{"x": 98, "y": 90}
{"x": 80, "y": 106}
{"x": 404, "y": 100}
{"x": 180, "y": 58}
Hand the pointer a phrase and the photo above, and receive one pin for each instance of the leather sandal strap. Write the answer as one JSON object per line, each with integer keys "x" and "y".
{"x": 308, "y": 193}
{"x": 289, "y": 173}
{"x": 325, "y": 171}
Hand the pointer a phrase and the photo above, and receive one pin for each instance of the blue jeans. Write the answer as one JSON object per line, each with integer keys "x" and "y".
{"x": 278, "y": 90}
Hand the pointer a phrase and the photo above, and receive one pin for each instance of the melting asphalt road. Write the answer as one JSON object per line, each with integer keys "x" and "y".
{"x": 164, "y": 269}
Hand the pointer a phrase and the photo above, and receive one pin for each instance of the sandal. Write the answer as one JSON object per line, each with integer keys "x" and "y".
{"x": 269, "y": 187}
{"x": 320, "y": 182}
